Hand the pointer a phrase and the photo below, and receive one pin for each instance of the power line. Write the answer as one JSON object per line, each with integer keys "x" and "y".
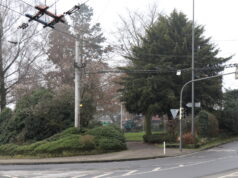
{"x": 26, "y": 3}
{"x": 17, "y": 13}
{"x": 164, "y": 70}
{"x": 12, "y": 9}
{"x": 54, "y": 3}
{"x": 104, "y": 10}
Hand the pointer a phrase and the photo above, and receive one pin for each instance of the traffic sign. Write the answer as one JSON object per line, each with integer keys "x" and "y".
{"x": 174, "y": 112}
{"x": 197, "y": 105}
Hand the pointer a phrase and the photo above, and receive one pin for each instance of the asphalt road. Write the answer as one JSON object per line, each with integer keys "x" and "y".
{"x": 221, "y": 162}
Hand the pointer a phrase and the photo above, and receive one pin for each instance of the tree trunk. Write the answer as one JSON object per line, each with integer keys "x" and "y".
{"x": 3, "y": 92}
{"x": 147, "y": 125}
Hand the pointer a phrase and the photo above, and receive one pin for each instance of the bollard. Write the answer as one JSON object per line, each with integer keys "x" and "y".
{"x": 164, "y": 148}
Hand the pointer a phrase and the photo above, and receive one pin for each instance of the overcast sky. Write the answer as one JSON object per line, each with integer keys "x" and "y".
{"x": 218, "y": 16}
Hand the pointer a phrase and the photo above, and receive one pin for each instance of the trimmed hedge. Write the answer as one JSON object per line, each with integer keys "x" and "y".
{"x": 107, "y": 131}
{"x": 108, "y": 138}
{"x": 159, "y": 138}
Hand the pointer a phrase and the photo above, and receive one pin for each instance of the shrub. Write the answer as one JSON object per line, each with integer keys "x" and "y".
{"x": 229, "y": 119}
{"x": 110, "y": 144}
{"x": 66, "y": 132}
{"x": 6, "y": 114}
{"x": 188, "y": 138}
{"x": 8, "y": 149}
{"x": 207, "y": 124}
{"x": 108, "y": 132}
{"x": 159, "y": 138}
{"x": 71, "y": 141}
{"x": 87, "y": 142}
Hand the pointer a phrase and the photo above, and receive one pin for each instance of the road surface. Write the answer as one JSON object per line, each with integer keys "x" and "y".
{"x": 219, "y": 162}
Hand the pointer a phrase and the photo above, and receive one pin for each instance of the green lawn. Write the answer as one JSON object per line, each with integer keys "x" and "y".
{"x": 136, "y": 136}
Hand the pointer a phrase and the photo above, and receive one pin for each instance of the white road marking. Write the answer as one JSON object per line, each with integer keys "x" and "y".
{"x": 48, "y": 174}
{"x": 230, "y": 175}
{"x": 156, "y": 169}
{"x": 9, "y": 176}
{"x": 103, "y": 175}
{"x": 80, "y": 176}
{"x": 221, "y": 150}
{"x": 179, "y": 166}
{"x": 129, "y": 173}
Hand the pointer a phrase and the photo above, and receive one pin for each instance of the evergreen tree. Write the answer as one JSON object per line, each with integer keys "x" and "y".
{"x": 166, "y": 47}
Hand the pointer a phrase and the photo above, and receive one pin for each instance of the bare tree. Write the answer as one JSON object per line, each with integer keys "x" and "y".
{"x": 133, "y": 27}
{"x": 18, "y": 48}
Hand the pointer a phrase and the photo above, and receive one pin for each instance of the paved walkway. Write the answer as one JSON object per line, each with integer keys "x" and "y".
{"x": 136, "y": 151}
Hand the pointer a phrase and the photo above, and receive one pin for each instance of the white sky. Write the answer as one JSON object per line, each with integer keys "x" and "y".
{"x": 218, "y": 16}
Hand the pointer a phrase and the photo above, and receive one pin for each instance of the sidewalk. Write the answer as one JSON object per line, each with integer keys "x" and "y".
{"x": 136, "y": 151}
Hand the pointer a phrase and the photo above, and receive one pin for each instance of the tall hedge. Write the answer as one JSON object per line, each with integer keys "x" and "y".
{"x": 206, "y": 124}
{"x": 229, "y": 115}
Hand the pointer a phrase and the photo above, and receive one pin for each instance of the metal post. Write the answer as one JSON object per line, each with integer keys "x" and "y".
{"x": 181, "y": 101}
{"x": 77, "y": 86}
{"x": 192, "y": 129}
{"x": 121, "y": 116}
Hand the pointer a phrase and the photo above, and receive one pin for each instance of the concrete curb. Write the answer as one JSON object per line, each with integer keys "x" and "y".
{"x": 39, "y": 162}
{"x": 74, "y": 161}
{"x": 83, "y": 162}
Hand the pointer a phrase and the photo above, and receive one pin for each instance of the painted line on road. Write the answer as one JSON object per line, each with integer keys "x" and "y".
{"x": 80, "y": 176}
{"x": 156, "y": 169}
{"x": 179, "y": 166}
{"x": 130, "y": 173}
{"x": 103, "y": 175}
{"x": 222, "y": 150}
{"x": 9, "y": 176}
{"x": 234, "y": 174}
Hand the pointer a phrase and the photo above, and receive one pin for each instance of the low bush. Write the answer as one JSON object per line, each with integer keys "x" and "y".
{"x": 87, "y": 142}
{"x": 188, "y": 138}
{"x": 159, "y": 138}
{"x": 72, "y": 141}
{"x": 107, "y": 131}
{"x": 111, "y": 144}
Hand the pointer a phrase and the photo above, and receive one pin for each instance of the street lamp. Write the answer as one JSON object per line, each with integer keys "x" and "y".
{"x": 193, "y": 32}
{"x": 181, "y": 101}
{"x": 121, "y": 126}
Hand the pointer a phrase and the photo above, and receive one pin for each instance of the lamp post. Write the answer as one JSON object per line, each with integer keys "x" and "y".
{"x": 193, "y": 31}
{"x": 181, "y": 101}
{"x": 121, "y": 126}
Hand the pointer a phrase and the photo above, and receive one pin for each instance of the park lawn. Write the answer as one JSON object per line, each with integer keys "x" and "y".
{"x": 136, "y": 136}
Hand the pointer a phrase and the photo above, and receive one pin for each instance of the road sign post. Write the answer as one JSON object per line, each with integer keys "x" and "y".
{"x": 236, "y": 73}
{"x": 181, "y": 100}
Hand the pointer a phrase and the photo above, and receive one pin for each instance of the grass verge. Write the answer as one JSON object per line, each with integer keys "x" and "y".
{"x": 218, "y": 141}
{"x": 205, "y": 144}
